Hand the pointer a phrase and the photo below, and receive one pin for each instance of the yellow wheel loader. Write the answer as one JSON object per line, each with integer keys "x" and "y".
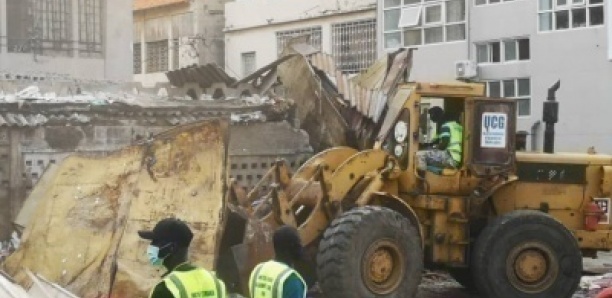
{"x": 509, "y": 224}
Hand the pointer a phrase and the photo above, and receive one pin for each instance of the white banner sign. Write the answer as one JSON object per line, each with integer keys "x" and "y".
{"x": 494, "y": 130}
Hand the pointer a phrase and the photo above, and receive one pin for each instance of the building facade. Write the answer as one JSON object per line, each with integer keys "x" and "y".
{"x": 256, "y": 31}
{"x": 520, "y": 49}
{"x": 80, "y": 38}
{"x": 171, "y": 34}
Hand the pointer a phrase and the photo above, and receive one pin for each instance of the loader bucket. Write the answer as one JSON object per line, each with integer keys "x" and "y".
{"x": 82, "y": 234}
{"x": 245, "y": 234}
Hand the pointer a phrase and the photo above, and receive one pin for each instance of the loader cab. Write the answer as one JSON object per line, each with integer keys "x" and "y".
{"x": 488, "y": 132}
{"x": 488, "y": 127}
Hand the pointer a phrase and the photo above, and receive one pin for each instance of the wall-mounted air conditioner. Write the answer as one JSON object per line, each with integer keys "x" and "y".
{"x": 466, "y": 69}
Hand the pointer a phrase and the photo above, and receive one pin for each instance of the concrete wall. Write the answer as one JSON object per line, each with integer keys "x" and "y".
{"x": 579, "y": 57}
{"x": 251, "y": 25}
{"x": 198, "y": 26}
{"x": 116, "y": 63}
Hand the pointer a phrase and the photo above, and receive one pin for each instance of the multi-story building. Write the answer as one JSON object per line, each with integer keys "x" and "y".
{"x": 256, "y": 31}
{"x": 170, "y": 34}
{"x": 520, "y": 49}
{"x": 86, "y": 39}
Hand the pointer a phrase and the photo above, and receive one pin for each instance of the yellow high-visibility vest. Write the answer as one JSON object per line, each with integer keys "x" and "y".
{"x": 455, "y": 146}
{"x": 197, "y": 283}
{"x": 267, "y": 280}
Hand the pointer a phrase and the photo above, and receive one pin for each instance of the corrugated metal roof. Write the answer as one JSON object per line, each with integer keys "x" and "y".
{"x": 148, "y": 4}
{"x": 367, "y": 92}
{"x": 204, "y": 75}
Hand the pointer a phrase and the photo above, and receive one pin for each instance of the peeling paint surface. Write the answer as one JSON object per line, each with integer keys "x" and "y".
{"x": 85, "y": 225}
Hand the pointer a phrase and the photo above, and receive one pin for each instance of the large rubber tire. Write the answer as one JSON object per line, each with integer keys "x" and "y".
{"x": 358, "y": 248}
{"x": 526, "y": 254}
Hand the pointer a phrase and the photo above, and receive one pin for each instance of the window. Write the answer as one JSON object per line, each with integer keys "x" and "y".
{"x": 503, "y": 51}
{"x": 569, "y": 14}
{"x": 157, "y": 56}
{"x": 248, "y": 63}
{"x": 411, "y": 23}
{"x": 354, "y": 45}
{"x": 40, "y": 26}
{"x": 90, "y": 28}
{"x": 137, "y": 58}
{"x": 283, "y": 37}
{"x": 484, "y": 2}
{"x": 519, "y": 89}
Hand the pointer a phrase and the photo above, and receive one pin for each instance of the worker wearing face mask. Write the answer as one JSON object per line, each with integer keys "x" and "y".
{"x": 169, "y": 246}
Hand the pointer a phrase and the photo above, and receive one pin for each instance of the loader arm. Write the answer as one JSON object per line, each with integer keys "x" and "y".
{"x": 316, "y": 194}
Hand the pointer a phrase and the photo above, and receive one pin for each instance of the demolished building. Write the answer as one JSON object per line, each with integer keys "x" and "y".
{"x": 43, "y": 122}
{"x": 88, "y": 208}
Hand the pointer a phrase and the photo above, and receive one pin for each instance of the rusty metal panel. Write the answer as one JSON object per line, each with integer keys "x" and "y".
{"x": 87, "y": 219}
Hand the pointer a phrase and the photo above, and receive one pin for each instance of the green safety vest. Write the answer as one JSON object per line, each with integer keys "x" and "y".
{"x": 455, "y": 145}
{"x": 267, "y": 280}
{"x": 197, "y": 283}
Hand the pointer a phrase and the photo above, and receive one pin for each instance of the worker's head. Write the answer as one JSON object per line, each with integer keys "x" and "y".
{"x": 287, "y": 244}
{"x": 170, "y": 240}
{"x": 436, "y": 114}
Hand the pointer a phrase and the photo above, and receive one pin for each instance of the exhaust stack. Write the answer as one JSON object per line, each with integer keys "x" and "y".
{"x": 550, "y": 117}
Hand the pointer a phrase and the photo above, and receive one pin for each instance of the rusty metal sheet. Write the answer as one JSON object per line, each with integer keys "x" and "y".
{"x": 83, "y": 233}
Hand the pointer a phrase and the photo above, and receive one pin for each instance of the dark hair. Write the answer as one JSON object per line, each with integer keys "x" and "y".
{"x": 435, "y": 113}
{"x": 287, "y": 243}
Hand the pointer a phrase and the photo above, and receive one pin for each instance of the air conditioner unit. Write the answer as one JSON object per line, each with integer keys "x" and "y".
{"x": 466, "y": 69}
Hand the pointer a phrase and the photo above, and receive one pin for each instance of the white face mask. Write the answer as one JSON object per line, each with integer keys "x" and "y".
{"x": 153, "y": 255}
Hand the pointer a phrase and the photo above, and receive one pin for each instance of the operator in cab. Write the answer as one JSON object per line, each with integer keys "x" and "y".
{"x": 277, "y": 278}
{"x": 170, "y": 240}
{"x": 447, "y": 143}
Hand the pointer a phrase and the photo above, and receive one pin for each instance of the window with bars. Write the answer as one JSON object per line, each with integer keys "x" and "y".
{"x": 249, "y": 63}
{"x": 283, "y": 37}
{"x": 569, "y": 14}
{"x": 501, "y": 51}
{"x": 157, "y": 56}
{"x": 411, "y": 23}
{"x": 90, "y": 28}
{"x": 40, "y": 26}
{"x": 137, "y": 58}
{"x": 354, "y": 45}
{"x": 519, "y": 89}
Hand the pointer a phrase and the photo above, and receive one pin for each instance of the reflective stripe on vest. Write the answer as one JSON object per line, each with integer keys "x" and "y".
{"x": 455, "y": 145}
{"x": 268, "y": 279}
{"x": 197, "y": 283}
